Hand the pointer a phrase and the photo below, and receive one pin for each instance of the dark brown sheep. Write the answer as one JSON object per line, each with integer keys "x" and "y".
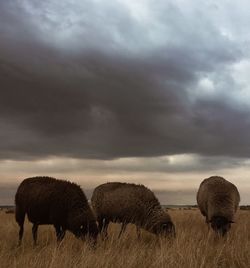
{"x": 218, "y": 200}
{"x": 130, "y": 203}
{"x": 60, "y": 203}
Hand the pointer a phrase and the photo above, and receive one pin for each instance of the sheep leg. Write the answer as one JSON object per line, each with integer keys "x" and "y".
{"x": 20, "y": 220}
{"x": 20, "y": 235}
{"x": 100, "y": 224}
{"x": 34, "y": 232}
{"x": 105, "y": 227}
{"x": 123, "y": 228}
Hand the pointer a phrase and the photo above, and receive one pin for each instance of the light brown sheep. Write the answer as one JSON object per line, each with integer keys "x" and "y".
{"x": 130, "y": 203}
{"x": 218, "y": 200}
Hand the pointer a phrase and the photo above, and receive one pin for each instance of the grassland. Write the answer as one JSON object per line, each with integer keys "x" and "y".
{"x": 194, "y": 246}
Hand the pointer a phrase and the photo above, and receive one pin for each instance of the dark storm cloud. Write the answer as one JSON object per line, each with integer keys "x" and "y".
{"x": 107, "y": 90}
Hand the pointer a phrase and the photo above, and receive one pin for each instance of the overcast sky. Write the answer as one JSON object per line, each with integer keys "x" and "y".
{"x": 153, "y": 92}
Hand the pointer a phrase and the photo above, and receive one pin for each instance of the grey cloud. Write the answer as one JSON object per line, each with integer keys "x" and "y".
{"x": 93, "y": 98}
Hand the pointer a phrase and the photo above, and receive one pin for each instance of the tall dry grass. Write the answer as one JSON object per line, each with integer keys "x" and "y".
{"x": 194, "y": 246}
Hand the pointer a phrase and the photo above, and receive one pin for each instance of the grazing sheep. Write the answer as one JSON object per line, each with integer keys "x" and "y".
{"x": 130, "y": 203}
{"x": 60, "y": 203}
{"x": 218, "y": 200}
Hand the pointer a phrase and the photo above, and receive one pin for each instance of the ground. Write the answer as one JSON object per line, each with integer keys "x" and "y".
{"x": 194, "y": 246}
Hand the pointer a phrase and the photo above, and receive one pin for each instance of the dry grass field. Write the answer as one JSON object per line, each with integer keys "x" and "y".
{"x": 194, "y": 246}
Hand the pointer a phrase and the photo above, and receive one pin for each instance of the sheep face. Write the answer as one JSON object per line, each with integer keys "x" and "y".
{"x": 166, "y": 229}
{"x": 82, "y": 228}
{"x": 220, "y": 225}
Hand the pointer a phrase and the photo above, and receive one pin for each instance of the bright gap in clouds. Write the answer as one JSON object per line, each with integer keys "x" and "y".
{"x": 174, "y": 179}
{"x": 240, "y": 73}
